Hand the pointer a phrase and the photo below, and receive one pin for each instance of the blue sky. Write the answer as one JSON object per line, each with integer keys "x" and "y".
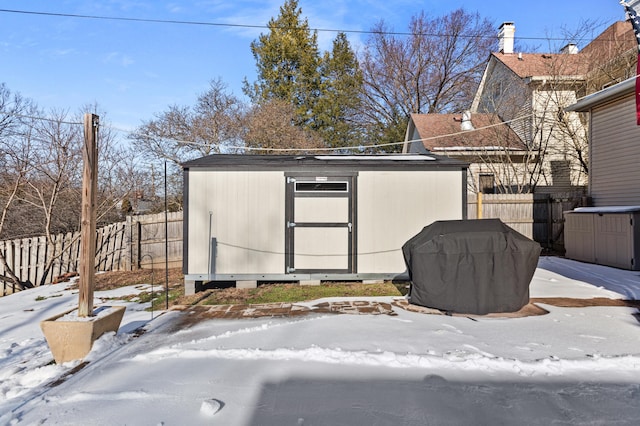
{"x": 135, "y": 69}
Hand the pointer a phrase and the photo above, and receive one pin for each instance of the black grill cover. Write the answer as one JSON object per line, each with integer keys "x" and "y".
{"x": 470, "y": 266}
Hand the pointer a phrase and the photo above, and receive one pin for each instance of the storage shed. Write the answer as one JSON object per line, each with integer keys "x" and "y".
{"x": 250, "y": 218}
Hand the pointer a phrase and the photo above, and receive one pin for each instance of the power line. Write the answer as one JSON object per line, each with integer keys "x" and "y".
{"x": 358, "y": 147}
{"x": 249, "y": 148}
{"x": 218, "y": 24}
{"x": 31, "y": 117}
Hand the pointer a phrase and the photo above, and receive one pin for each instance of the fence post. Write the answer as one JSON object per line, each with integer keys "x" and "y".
{"x": 127, "y": 237}
{"x": 549, "y": 221}
{"x": 138, "y": 245}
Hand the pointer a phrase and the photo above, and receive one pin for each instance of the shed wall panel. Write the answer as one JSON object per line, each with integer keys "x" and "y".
{"x": 393, "y": 206}
{"x": 247, "y": 222}
{"x": 615, "y": 154}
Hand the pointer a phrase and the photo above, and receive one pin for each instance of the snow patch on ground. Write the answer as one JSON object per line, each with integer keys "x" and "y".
{"x": 571, "y": 366}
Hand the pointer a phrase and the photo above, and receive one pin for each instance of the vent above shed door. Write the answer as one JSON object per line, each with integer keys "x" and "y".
{"x": 321, "y": 186}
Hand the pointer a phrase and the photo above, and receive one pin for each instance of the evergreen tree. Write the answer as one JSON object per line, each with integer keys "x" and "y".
{"x": 322, "y": 89}
{"x": 287, "y": 61}
{"x": 341, "y": 84}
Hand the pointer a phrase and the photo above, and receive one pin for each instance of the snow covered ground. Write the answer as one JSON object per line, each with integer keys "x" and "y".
{"x": 571, "y": 366}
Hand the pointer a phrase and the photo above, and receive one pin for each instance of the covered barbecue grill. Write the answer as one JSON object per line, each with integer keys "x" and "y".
{"x": 470, "y": 266}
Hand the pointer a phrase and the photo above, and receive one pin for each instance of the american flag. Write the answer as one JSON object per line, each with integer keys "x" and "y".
{"x": 635, "y": 22}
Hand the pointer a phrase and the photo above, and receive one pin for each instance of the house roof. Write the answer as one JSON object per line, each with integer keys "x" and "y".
{"x": 543, "y": 64}
{"x": 617, "y": 38}
{"x": 442, "y": 132}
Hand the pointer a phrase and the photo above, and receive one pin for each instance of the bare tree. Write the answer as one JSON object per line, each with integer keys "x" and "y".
{"x": 15, "y": 113}
{"x": 52, "y": 192}
{"x": 271, "y": 129}
{"x": 118, "y": 171}
{"x": 434, "y": 69}
{"x": 40, "y": 181}
{"x": 181, "y": 133}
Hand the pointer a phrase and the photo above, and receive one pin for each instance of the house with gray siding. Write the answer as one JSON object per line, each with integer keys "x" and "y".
{"x": 608, "y": 232}
{"x": 614, "y": 145}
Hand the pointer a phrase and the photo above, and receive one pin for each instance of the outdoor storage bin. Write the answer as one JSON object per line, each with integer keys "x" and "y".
{"x": 606, "y": 235}
{"x": 470, "y": 266}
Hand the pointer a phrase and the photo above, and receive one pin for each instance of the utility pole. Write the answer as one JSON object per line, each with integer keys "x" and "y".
{"x": 88, "y": 219}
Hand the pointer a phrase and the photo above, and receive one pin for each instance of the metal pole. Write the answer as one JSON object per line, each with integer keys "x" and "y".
{"x": 166, "y": 240}
{"x": 209, "y": 251}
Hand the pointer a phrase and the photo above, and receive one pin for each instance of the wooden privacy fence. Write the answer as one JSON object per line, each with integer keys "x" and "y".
{"x": 37, "y": 261}
{"x": 139, "y": 242}
{"x": 148, "y": 243}
{"x": 537, "y": 216}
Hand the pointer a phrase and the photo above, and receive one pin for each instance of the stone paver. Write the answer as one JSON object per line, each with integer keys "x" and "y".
{"x": 360, "y": 307}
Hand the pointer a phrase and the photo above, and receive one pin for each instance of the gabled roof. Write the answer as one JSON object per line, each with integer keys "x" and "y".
{"x": 543, "y": 64}
{"x": 443, "y": 132}
{"x": 617, "y": 38}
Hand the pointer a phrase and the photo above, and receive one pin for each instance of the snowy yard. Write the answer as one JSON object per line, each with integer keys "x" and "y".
{"x": 571, "y": 366}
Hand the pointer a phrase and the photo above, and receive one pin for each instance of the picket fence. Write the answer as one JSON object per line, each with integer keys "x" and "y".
{"x": 138, "y": 242}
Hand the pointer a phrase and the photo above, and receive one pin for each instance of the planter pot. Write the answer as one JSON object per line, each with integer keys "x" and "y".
{"x": 72, "y": 339}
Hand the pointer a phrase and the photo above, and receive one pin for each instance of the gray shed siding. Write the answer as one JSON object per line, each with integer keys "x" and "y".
{"x": 244, "y": 212}
{"x": 615, "y": 154}
{"x": 393, "y": 206}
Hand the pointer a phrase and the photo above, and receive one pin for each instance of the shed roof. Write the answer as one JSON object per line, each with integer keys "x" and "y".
{"x": 324, "y": 161}
{"x": 443, "y": 131}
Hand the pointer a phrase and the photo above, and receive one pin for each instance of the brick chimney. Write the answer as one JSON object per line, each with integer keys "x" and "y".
{"x": 506, "y": 34}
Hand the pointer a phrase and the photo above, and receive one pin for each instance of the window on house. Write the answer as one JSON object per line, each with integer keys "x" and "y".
{"x": 487, "y": 184}
{"x": 561, "y": 174}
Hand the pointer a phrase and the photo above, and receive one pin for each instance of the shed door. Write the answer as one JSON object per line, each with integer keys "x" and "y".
{"x": 320, "y": 226}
